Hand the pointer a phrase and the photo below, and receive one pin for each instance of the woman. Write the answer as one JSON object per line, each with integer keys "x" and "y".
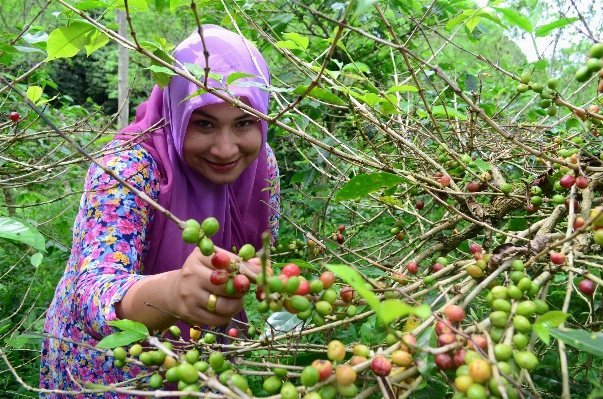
{"x": 208, "y": 158}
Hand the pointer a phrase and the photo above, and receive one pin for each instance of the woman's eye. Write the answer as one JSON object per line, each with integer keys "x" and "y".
{"x": 245, "y": 123}
{"x": 204, "y": 124}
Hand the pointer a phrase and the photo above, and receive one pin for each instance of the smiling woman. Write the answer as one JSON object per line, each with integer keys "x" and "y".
{"x": 222, "y": 141}
{"x": 208, "y": 158}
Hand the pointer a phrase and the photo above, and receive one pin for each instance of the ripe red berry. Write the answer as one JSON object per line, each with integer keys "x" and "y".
{"x": 420, "y": 205}
{"x": 567, "y": 181}
{"x": 220, "y": 260}
{"x": 473, "y": 187}
{"x": 478, "y": 340}
{"x": 446, "y": 339}
{"x": 558, "y": 258}
{"x": 437, "y": 267}
{"x": 412, "y": 268}
{"x": 400, "y": 236}
{"x": 290, "y": 270}
{"x": 576, "y": 205}
{"x": 14, "y": 116}
{"x": 304, "y": 288}
{"x": 531, "y": 208}
{"x": 443, "y": 327}
{"x": 233, "y": 332}
{"x": 341, "y": 228}
{"x": 444, "y": 361}
{"x": 347, "y": 293}
{"x": 581, "y": 182}
{"x": 587, "y": 287}
{"x": 381, "y": 366}
{"x": 459, "y": 357}
{"x": 218, "y": 277}
{"x": 241, "y": 284}
{"x": 328, "y": 279}
{"x": 340, "y": 238}
{"x": 454, "y": 313}
{"x": 324, "y": 367}
{"x": 475, "y": 248}
{"x": 579, "y": 222}
{"x": 445, "y": 181}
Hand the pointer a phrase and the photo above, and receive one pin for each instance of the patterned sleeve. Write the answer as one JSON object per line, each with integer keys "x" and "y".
{"x": 275, "y": 192}
{"x": 109, "y": 235}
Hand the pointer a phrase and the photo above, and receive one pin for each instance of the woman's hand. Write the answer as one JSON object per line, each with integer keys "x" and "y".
{"x": 193, "y": 292}
{"x": 185, "y": 293}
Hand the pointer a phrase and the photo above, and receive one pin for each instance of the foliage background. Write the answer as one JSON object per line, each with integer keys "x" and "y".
{"x": 480, "y": 53}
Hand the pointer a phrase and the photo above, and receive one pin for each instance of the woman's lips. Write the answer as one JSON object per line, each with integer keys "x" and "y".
{"x": 222, "y": 167}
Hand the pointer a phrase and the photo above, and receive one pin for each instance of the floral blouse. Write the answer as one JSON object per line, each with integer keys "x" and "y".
{"x": 109, "y": 241}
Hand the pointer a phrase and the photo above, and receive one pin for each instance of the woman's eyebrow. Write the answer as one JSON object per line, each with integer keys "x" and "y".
{"x": 205, "y": 114}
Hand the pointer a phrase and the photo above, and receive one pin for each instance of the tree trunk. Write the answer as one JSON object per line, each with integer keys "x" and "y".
{"x": 122, "y": 73}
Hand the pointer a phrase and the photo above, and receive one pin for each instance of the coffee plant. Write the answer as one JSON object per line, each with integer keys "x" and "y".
{"x": 441, "y": 229}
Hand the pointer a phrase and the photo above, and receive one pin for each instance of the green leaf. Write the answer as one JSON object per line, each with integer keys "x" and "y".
{"x": 560, "y": 23}
{"x": 362, "y": 6}
{"x": 194, "y": 94}
{"x": 422, "y": 311}
{"x": 121, "y": 338}
{"x": 21, "y": 231}
{"x": 87, "y": 5}
{"x": 174, "y": 4}
{"x": 589, "y": 342}
{"x": 391, "y": 309}
{"x": 263, "y": 87}
{"x": 239, "y": 75}
{"x": 357, "y": 282}
{"x": 546, "y": 321}
{"x": 20, "y": 341}
{"x": 450, "y": 112}
{"x": 472, "y": 23}
{"x": 133, "y": 5}
{"x": 426, "y": 361}
{"x": 402, "y": 88}
{"x": 160, "y": 5}
{"x": 540, "y": 64}
{"x": 459, "y": 18}
{"x": 97, "y": 40}
{"x": 34, "y": 93}
{"x": 290, "y": 44}
{"x": 67, "y": 41}
{"x": 129, "y": 325}
{"x": 516, "y": 19}
{"x": 362, "y": 185}
{"x": 282, "y": 322}
{"x": 571, "y": 123}
{"x": 300, "y": 40}
{"x": 36, "y": 259}
{"x": 161, "y": 69}
{"x": 388, "y": 199}
{"x": 371, "y": 99}
{"x": 482, "y": 165}
{"x": 319, "y": 93}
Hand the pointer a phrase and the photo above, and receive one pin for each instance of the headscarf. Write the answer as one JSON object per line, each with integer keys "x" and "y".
{"x": 183, "y": 191}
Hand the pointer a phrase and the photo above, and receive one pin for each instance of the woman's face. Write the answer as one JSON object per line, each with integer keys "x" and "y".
{"x": 221, "y": 141}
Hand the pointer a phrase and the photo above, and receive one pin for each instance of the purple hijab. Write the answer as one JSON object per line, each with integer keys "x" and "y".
{"x": 183, "y": 191}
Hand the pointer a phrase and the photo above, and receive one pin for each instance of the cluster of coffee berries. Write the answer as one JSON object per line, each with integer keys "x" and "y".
{"x": 338, "y": 235}
{"x": 547, "y": 94}
{"x": 226, "y": 273}
{"x": 593, "y": 63}
{"x": 397, "y": 230}
{"x": 477, "y": 269}
{"x": 305, "y": 299}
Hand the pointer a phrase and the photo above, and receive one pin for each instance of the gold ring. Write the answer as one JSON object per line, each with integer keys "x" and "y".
{"x": 211, "y": 303}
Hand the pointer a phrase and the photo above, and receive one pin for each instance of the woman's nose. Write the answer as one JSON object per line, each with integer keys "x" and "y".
{"x": 225, "y": 145}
